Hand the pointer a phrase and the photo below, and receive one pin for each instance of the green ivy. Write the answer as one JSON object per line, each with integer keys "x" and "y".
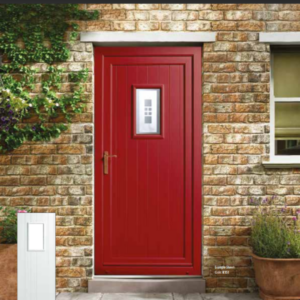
{"x": 37, "y": 33}
{"x": 9, "y": 225}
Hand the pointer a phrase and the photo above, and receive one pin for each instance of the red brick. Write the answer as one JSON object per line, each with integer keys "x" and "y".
{"x": 70, "y": 231}
{"x": 293, "y": 200}
{"x": 219, "y": 128}
{"x": 33, "y": 180}
{"x": 238, "y": 261}
{"x": 209, "y": 241}
{"x": 215, "y": 57}
{"x": 45, "y": 190}
{"x": 241, "y": 251}
{"x": 83, "y": 221}
{"x": 245, "y": 272}
{"x": 242, "y": 230}
{"x": 61, "y": 241}
{"x": 251, "y": 149}
{"x": 220, "y": 251}
{"x": 220, "y": 211}
{"x": 238, "y": 15}
{"x": 238, "y": 241}
{"x": 42, "y": 201}
{"x": 224, "y": 149}
{"x": 70, "y": 272}
{"x": 43, "y": 149}
{"x": 222, "y": 241}
{"x": 232, "y": 282}
{"x": 17, "y": 201}
{"x": 61, "y": 283}
{"x": 63, "y": 262}
{"x": 43, "y": 170}
{"x": 9, "y": 180}
{"x": 71, "y": 149}
{"x": 24, "y": 149}
{"x": 213, "y": 180}
{"x": 80, "y": 241}
{"x": 64, "y": 211}
{"x": 225, "y": 88}
{"x": 224, "y": 25}
{"x": 211, "y": 282}
{"x": 251, "y": 26}
{"x": 5, "y": 160}
{"x": 211, "y": 159}
{"x": 18, "y": 191}
{"x": 251, "y": 6}
{"x": 99, "y": 6}
{"x": 224, "y": 6}
{"x": 223, "y": 201}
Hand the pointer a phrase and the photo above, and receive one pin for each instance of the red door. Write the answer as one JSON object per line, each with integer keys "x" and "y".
{"x": 148, "y": 193}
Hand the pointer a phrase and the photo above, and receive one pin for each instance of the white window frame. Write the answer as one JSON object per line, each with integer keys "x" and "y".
{"x": 279, "y": 38}
{"x": 278, "y": 160}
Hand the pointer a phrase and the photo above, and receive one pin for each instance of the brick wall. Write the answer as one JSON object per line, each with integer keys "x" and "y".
{"x": 57, "y": 176}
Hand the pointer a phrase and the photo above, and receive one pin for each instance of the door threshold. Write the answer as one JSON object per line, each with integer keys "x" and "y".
{"x": 146, "y": 276}
{"x": 157, "y": 284}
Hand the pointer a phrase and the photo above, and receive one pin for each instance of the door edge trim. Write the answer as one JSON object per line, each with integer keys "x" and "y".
{"x": 146, "y": 277}
{"x": 148, "y": 46}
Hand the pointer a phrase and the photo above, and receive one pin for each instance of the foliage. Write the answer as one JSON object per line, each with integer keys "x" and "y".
{"x": 34, "y": 24}
{"x": 79, "y": 76}
{"x": 9, "y": 227}
{"x": 274, "y": 233}
{"x": 37, "y": 33}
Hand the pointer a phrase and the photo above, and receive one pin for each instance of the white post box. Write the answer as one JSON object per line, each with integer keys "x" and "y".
{"x": 36, "y": 256}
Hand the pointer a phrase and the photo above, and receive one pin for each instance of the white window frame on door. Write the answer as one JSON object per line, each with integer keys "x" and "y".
{"x": 279, "y": 38}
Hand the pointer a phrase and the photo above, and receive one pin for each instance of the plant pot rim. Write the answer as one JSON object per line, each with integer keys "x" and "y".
{"x": 275, "y": 259}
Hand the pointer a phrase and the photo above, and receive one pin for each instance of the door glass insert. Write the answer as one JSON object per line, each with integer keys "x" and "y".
{"x": 148, "y": 111}
{"x": 35, "y": 237}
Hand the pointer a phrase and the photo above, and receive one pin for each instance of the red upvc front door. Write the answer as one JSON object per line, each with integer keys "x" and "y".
{"x": 148, "y": 197}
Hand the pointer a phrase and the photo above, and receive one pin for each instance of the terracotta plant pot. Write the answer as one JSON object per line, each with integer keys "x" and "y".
{"x": 278, "y": 279}
{"x": 8, "y": 272}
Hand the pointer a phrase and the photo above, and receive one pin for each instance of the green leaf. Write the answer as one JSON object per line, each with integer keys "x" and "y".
{"x": 33, "y": 25}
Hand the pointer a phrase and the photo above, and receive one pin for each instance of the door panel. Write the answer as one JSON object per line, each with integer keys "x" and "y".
{"x": 147, "y": 218}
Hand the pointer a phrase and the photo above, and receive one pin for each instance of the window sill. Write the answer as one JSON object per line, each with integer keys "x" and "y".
{"x": 281, "y": 165}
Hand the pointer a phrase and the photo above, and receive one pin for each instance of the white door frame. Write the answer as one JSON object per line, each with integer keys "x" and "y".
{"x": 146, "y": 39}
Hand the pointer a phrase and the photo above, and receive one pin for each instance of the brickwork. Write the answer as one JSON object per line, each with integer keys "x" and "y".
{"x": 57, "y": 176}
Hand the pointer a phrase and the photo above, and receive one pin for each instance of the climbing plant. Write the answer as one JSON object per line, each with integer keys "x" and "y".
{"x": 29, "y": 34}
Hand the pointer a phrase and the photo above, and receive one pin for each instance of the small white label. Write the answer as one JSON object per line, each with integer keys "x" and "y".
{"x": 35, "y": 237}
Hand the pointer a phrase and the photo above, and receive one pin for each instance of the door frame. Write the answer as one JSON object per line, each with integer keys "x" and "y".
{"x": 196, "y": 54}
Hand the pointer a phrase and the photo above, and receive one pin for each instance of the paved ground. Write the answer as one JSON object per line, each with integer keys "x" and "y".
{"x": 78, "y": 296}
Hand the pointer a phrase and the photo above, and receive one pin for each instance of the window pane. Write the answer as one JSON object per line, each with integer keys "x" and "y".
{"x": 35, "y": 237}
{"x": 287, "y": 147}
{"x": 287, "y": 128}
{"x": 148, "y": 111}
{"x": 286, "y": 72}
